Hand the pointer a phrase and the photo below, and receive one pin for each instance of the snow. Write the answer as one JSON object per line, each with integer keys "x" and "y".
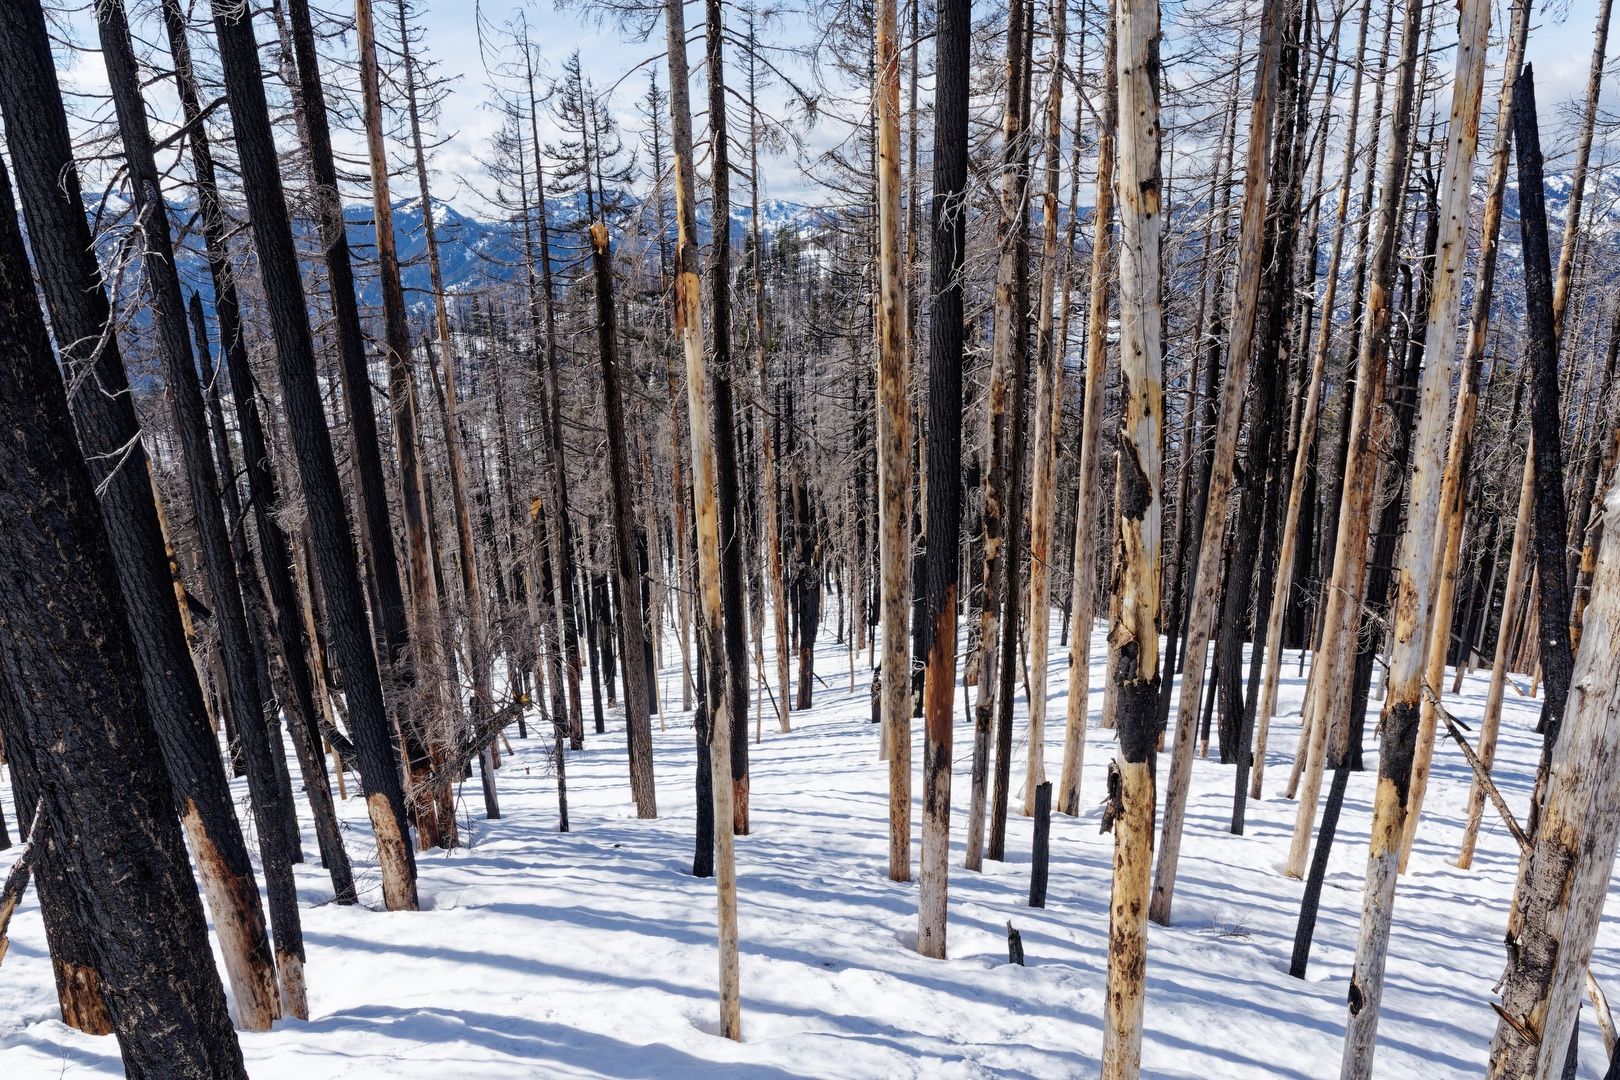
{"x": 591, "y": 953}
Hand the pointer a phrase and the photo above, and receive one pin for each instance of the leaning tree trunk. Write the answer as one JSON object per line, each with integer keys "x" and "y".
{"x": 71, "y": 671}
{"x": 1554, "y": 657}
{"x": 1459, "y": 455}
{"x": 1204, "y": 586}
{"x": 376, "y": 530}
{"x": 432, "y": 662}
{"x": 1565, "y": 878}
{"x": 274, "y": 550}
{"x": 213, "y": 531}
{"x": 109, "y": 435}
{"x": 1134, "y": 636}
{"x": 1416, "y": 564}
{"x": 317, "y": 466}
{"x": 1306, "y": 440}
{"x": 1330, "y": 722}
{"x": 715, "y": 703}
{"x": 941, "y": 564}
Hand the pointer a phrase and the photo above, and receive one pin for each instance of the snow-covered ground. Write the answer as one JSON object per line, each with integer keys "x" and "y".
{"x": 591, "y": 953}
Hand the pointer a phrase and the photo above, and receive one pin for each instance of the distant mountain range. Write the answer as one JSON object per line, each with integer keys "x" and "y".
{"x": 476, "y": 251}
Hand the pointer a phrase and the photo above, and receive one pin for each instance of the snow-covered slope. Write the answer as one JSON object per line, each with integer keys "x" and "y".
{"x": 592, "y": 953}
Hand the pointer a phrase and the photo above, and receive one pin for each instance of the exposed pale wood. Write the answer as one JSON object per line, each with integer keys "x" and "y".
{"x": 1335, "y": 656}
{"x": 1416, "y": 564}
{"x": 1563, "y": 886}
{"x": 894, "y": 450}
{"x": 1307, "y": 432}
{"x": 1082, "y": 605}
{"x": 689, "y": 329}
{"x": 1134, "y": 635}
{"x": 1048, "y": 418}
{"x": 1205, "y": 583}
{"x": 1448, "y": 539}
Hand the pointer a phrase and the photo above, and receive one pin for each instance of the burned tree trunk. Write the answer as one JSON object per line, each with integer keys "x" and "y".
{"x": 714, "y": 703}
{"x": 274, "y": 550}
{"x": 1005, "y": 355}
{"x": 1082, "y": 605}
{"x": 71, "y": 672}
{"x": 894, "y": 451}
{"x": 1546, "y": 436}
{"x": 1134, "y": 635}
{"x": 632, "y": 627}
{"x": 724, "y": 435}
{"x": 109, "y": 436}
{"x": 941, "y": 566}
{"x": 213, "y": 531}
{"x": 1416, "y": 566}
{"x": 377, "y": 533}
{"x": 312, "y": 445}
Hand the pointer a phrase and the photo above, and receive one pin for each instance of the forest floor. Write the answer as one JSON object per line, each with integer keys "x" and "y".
{"x": 591, "y": 953}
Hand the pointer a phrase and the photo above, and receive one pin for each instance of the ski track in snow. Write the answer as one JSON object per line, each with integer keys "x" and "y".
{"x": 591, "y": 953}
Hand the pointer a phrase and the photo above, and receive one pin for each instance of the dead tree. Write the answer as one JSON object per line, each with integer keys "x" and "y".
{"x": 1050, "y": 375}
{"x": 274, "y": 550}
{"x": 1330, "y": 725}
{"x": 728, "y": 499}
{"x": 339, "y": 570}
{"x": 894, "y": 450}
{"x": 1205, "y": 581}
{"x": 562, "y": 528}
{"x": 1003, "y": 423}
{"x": 109, "y": 435}
{"x": 376, "y": 530}
{"x": 73, "y": 680}
{"x": 941, "y": 565}
{"x": 1553, "y": 651}
{"x": 1306, "y": 439}
{"x": 1416, "y": 566}
{"x": 1134, "y": 635}
{"x": 1083, "y": 589}
{"x": 1459, "y": 455}
{"x": 1565, "y": 877}
{"x": 475, "y": 619}
{"x": 689, "y": 328}
{"x": 632, "y": 626}
{"x": 213, "y": 531}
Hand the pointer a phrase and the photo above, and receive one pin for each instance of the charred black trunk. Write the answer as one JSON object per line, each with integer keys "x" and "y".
{"x": 81, "y": 716}
{"x": 347, "y": 624}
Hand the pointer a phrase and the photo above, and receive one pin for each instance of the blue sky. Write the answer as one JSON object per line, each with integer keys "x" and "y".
{"x": 1560, "y": 49}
